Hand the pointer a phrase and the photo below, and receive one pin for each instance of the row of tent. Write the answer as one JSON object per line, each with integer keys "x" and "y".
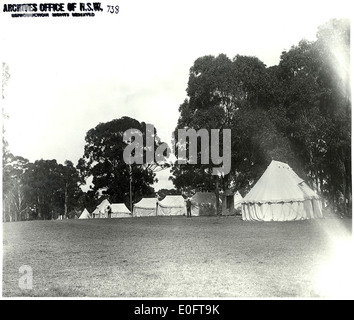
{"x": 279, "y": 195}
{"x": 203, "y": 203}
{"x": 118, "y": 210}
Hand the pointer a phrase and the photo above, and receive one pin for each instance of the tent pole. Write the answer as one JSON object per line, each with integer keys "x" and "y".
{"x": 130, "y": 188}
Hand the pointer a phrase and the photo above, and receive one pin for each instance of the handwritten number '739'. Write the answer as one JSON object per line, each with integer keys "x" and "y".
{"x": 113, "y": 9}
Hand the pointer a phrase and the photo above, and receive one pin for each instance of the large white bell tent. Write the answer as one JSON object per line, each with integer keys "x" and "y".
{"x": 146, "y": 207}
{"x": 203, "y": 204}
{"x": 172, "y": 206}
{"x": 120, "y": 210}
{"x": 281, "y": 195}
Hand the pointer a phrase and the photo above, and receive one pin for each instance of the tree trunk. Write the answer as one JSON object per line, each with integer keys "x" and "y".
{"x": 20, "y": 204}
{"x": 66, "y": 200}
{"x": 217, "y": 194}
{"x": 321, "y": 190}
{"x": 39, "y": 213}
{"x": 349, "y": 200}
{"x": 344, "y": 196}
{"x": 349, "y": 186}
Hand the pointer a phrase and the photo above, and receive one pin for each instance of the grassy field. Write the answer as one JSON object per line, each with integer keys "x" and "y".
{"x": 178, "y": 257}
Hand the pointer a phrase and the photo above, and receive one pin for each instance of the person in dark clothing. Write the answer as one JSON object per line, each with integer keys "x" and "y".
{"x": 109, "y": 209}
{"x": 189, "y": 207}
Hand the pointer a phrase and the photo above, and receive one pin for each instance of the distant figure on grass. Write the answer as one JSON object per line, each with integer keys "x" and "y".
{"x": 189, "y": 207}
{"x": 109, "y": 210}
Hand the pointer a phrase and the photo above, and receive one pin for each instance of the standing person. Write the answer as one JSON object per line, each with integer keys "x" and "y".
{"x": 109, "y": 209}
{"x": 189, "y": 207}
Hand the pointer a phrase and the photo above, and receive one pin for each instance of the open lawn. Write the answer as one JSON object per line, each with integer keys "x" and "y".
{"x": 179, "y": 257}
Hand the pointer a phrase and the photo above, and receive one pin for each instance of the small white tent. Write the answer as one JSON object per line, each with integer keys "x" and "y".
{"x": 120, "y": 210}
{"x": 85, "y": 214}
{"x": 281, "y": 195}
{"x": 146, "y": 207}
{"x": 101, "y": 210}
{"x": 203, "y": 204}
{"x": 172, "y": 206}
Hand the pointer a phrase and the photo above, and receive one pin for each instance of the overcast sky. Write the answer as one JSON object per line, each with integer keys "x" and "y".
{"x": 69, "y": 74}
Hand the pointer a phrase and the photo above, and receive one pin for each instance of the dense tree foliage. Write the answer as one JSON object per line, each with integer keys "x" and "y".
{"x": 40, "y": 190}
{"x": 162, "y": 193}
{"x": 46, "y": 190}
{"x": 298, "y": 112}
{"x": 103, "y": 160}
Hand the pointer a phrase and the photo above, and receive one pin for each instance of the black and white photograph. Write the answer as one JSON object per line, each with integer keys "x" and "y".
{"x": 182, "y": 150}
